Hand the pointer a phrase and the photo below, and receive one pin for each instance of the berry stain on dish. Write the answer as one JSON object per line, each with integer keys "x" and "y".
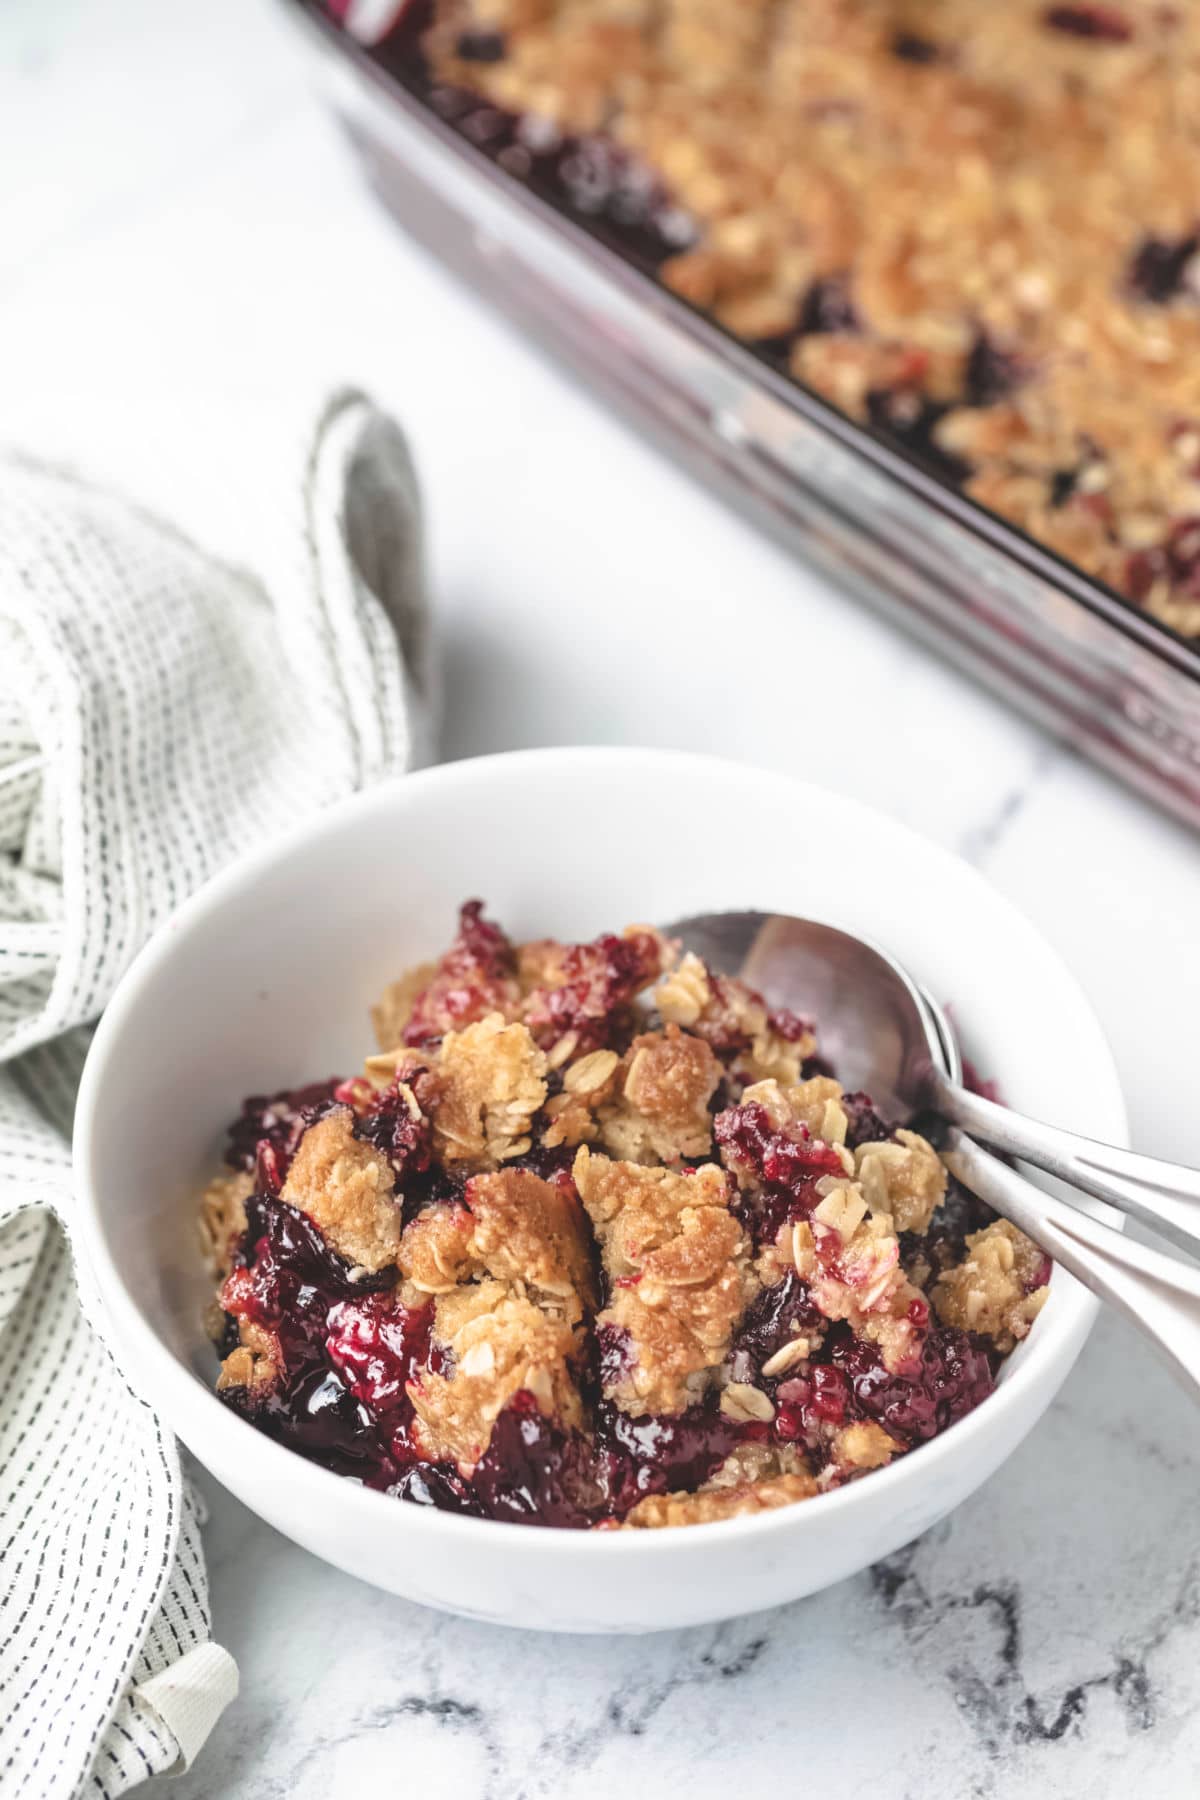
{"x": 596, "y": 1240}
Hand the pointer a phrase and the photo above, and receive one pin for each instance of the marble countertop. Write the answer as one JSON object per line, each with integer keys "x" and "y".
{"x": 175, "y": 204}
{"x": 1042, "y": 1642}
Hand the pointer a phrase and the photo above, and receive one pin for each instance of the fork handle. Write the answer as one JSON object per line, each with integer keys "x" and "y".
{"x": 1155, "y": 1292}
{"x": 1164, "y": 1196}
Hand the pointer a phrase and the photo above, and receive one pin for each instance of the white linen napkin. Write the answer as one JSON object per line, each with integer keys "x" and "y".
{"x": 165, "y": 702}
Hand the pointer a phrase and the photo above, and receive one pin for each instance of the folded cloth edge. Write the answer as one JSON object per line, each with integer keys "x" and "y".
{"x": 189, "y": 1697}
{"x": 356, "y": 465}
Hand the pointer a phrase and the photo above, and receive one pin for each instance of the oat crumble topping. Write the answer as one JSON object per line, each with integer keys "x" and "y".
{"x": 494, "y": 1343}
{"x": 223, "y": 1218}
{"x": 348, "y": 1189}
{"x": 492, "y": 1080}
{"x": 998, "y": 1289}
{"x": 677, "y": 1268}
{"x": 711, "y": 1504}
{"x": 976, "y": 227}
{"x": 596, "y": 1240}
{"x": 513, "y": 1226}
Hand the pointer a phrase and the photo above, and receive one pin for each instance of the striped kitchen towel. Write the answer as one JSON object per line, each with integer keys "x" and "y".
{"x": 179, "y": 677}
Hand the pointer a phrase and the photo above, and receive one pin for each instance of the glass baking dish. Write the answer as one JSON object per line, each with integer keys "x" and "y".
{"x": 1075, "y": 656}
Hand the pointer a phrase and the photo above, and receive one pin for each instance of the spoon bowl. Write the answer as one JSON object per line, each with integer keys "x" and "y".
{"x": 885, "y": 1035}
{"x": 875, "y": 1028}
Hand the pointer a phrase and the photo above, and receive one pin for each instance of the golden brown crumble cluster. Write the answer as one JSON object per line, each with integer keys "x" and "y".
{"x": 677, "y": 1268}
{"x": 977, "y": 226}
{"x": 347, "y": 1189}
{"x": 996, "y": 1289}
{"x": 595, "y": 1239}
{"x": 509, "y": 1270}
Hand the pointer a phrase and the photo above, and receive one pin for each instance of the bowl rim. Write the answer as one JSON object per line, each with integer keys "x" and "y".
{"x": 176, "y": 1392}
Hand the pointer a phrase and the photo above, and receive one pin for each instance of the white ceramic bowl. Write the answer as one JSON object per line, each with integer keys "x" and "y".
{"x": 263, "y": 980}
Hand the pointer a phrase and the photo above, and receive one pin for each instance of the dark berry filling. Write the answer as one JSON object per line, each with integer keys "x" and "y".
{"x": 1159, "y": 268}
{"x": 991, "y": 373}
{"x": 623, "y": 201}
{"x": 905, "y": 414}
{"x": 909, "y": 47}
{"x": 945, "y": 1243}
{"x": 533, "y": 1472}
{"x": 789, "y": 1025}
{"x": 659, "y": 1454}
{"x": 827, "y": 308}
{"x": 288, "y": 1278}
{"x": 348, "y": 1351}
{"x": 290, "y": 1284}
{"x": 263, "y": 1137}
{"x": 481, "y": 946}
{"x": 850, "y": 1383}
{"x": 863, "y": 1123}
{"x": 481, "y": 46}
{"x": 432, "y": 1484}
{"x": 473, "y": 978}
{"x": 776, "y": 1315}
{"x": 1062, "y": 486}
{"x": 388, "y": 1121}
{"x": 600, "y": 981}
{"x": 1105, "y": 23}
{"x": 335, "y": 1357}
{"x": 317, "y": 1414}
{"x": 807, "y": 1403}
{"x": 789, "y": 1167}
{"x": 955, "y": 1375}
{"x": 1175, "y": 563}
{"x": 552, "y": 1162}
{"x": 615, "y": 1355}
{"x": 377, "y": 1347}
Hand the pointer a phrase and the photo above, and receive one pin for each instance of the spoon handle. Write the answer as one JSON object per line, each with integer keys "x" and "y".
{"x": 1155, "y": 1292}
{"x": 1164, "y": 1196}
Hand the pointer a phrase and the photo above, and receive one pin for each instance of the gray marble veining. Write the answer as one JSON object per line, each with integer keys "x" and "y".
{"x": 173, "y": 169}
{"x": 1042, "y": 1641}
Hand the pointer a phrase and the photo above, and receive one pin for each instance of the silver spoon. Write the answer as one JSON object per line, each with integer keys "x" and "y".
{"x": 883, "y": 1034}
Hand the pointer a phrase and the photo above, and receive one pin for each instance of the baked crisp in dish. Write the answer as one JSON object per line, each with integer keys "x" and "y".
{"x": 597, "y": 1240}
{"x": 975, "y": 227}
